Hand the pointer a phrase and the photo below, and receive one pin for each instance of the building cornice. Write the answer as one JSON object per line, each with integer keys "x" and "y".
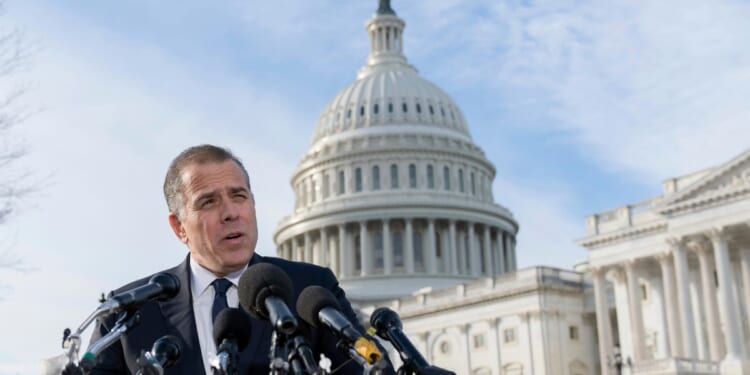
{"x": 623, "y": 235}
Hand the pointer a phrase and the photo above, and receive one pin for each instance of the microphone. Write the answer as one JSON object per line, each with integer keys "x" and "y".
{"x": 231, "y": 334}
{"x": 264, "y": 292}
{"x": 318, "y": 307}
{"x": 161, "y": 286}
{"x": 163, "y": 354}
{"x": 388, "y": 326}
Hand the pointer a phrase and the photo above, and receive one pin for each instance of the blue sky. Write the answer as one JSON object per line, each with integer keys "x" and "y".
{"x": 581, "y": 105}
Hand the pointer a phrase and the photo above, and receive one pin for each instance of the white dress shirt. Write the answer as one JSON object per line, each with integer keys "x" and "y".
{"x": 203, "y": 301}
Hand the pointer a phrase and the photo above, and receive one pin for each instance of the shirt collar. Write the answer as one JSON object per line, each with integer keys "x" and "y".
{"x": 202, "y": 278}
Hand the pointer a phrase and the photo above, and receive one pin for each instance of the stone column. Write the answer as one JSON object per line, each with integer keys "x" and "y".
{"x": 602, "y": 317}
{"x": 335, "y": 259}
{"x": 387, "y": 248}
{"x": 344, "y": 255}
{"x": 673, "y": 319}
{"x": 295, "y": 250}
{"x": 364, "y": 252}
{"x": 476, "y": 268}
{"x": 508, "y": 252}
{"x": 285, "y": 250}
{"x": 488, "y": 264}
{"x": 323, "y": 249}
{"x": 409, "y": 248}
{"x": 500, "y": 266}
{"x": 726, "y": 296}
{"x": 452, "y": 251}
{"x": 622, "y": 306}
{"x": 307, "y": 256}
{"x": 709, "y": 298}
{"x": 465, "y": 330}
{"x": 683, "y": 296}
{"x": 431, "y": 253}
{"x": 745, "y": 267}
{"x": 636, "y": 313}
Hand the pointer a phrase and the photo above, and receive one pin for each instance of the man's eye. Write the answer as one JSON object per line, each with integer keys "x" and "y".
{"x": 240, "y": 196}
{"x": 207, "y": 202}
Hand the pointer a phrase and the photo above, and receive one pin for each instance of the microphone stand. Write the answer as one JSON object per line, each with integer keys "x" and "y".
{"x": 279, "y": 364}
{"x": 127, "y": 320}
{"x": 301, "y": 357}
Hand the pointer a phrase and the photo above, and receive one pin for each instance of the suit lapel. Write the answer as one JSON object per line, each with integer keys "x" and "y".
{"x": 178, "y": 313}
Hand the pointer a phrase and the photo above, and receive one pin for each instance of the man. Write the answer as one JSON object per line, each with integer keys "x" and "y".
{"x": 212, "y": 211}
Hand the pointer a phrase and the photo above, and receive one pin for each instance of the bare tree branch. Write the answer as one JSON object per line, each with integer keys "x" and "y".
{"x": 16, "y": 182}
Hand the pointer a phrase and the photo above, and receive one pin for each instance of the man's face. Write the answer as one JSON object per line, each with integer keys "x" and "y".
{"x": 217, "y": 221}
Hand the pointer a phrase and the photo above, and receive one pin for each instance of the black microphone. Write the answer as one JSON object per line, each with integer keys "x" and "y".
{"x": 265, "y": 291}
{"x": 318, "y": 307}
{"x": 163, "y": 354}
{"x": 388, "y": 326}
{"x": 231, "y": 334}
{"x": 161, "y": 286}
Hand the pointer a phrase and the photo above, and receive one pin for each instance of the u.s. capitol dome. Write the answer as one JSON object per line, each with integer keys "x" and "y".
{"x": 393, "y": 195}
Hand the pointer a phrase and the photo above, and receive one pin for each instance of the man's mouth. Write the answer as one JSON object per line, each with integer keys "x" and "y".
{"x": 232, "y": 236}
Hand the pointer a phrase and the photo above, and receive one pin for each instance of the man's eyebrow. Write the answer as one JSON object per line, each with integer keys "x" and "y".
{"x": 238, "y": 189}
{"x": 206, "y": 195}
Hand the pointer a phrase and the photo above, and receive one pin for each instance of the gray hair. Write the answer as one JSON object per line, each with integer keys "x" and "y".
{"x": 202, "y": 154}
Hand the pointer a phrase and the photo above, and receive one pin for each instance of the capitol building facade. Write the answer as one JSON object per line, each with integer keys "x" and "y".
{"x": 396, "y": 199}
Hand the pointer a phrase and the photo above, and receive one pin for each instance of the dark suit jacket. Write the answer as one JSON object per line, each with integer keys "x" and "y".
{"x": 175, "y": 317}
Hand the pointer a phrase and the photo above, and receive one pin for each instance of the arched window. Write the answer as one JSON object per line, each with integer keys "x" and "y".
{"x": 419, "y": 108}
{"x": 314, "y": 190}
{"x": 418, "y": 257}
{"x": 430, "y": 177}
{"x": 432, "y": 111}
{"x": 342, "y": 183}
{"x": 412, "y": 176}
{"x": 405, "y": 107}
{"x": 398, "y": 249}
{"x": 461, "y": 180}
{"x": 473, "y": 185}
{"x": 446, "y": 178}
{"x": 326, "y": 185}
{"x": 358, "y": 180}
{"x": 377, "y": 250}
{"x": 375, "y": 109}
{"x": 375, "y": 177}
{"x": 362, "y": 110}
{"x": 357, "y": 253}
{"x": 348, "y": 113}
{"x": 390, "y": 107}
{"x": 394, "y": 176}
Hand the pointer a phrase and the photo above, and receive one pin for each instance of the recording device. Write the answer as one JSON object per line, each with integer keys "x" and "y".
{"x": 164, "y": 353}
{"x": 387, "y": 325}
{"x": 318, "y": 307}
{"x": 161, "y": 286}
{"x": 231, "y": 334}
{"x": 265, "y": 291}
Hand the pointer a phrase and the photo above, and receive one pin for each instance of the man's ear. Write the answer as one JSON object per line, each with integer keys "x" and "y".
{"x": 177, "y": 228}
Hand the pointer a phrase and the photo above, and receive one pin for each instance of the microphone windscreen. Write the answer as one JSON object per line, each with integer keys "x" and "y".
{"x": 313, "y": 299}
{"x": 384, "y": 318}
{"x": 232, "y": 323}
{"x": 169, "y": 283}
{"x": 167, "y": 349}
{"x": 260, "y": 281}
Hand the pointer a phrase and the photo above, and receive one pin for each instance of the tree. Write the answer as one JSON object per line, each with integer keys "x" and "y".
{"x": 15, "y": 53}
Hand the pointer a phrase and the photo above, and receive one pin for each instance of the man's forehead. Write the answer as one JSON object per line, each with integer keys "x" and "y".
{"x": 213, "y": 176}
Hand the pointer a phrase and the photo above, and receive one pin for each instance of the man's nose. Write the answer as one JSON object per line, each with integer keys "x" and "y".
{"x": 230, "y": 211}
